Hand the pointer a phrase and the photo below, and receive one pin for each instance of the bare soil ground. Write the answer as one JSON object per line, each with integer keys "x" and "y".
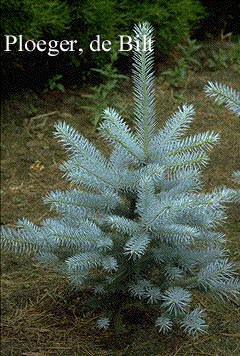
{"x": 41, "y": 315}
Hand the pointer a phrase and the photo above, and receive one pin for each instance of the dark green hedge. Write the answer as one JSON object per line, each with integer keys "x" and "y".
{"x": 82, "y": 20}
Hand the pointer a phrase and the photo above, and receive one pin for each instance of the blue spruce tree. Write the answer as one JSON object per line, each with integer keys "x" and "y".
{"x": 137, "y": 226}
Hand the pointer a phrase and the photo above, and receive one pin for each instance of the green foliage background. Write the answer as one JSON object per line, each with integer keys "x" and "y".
{"x": 82, "y": 20}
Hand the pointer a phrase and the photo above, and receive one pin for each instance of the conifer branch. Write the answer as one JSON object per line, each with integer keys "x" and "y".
{"x": 223, "y": 94}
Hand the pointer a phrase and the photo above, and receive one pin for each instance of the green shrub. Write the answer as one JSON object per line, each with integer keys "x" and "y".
{"x": 177, "y": 75}
{"x": 83, "y": 20}
{"x": 54, "y": 83}
{"x": 104, "y": 94}
{"x": 224, "y": 57}
{"x": 34, "y": 18}
{"x": 172, "y": 20}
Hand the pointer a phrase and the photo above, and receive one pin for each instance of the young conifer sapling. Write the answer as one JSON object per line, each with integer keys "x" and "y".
{"x": 137, "y": 225}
